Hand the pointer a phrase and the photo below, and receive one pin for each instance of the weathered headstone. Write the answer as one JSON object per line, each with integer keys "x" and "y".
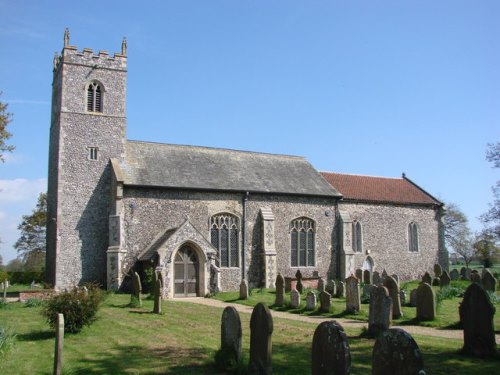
{"x": 384, "y": 275}
{"x": 475, "y": 277}
{"x": 463, "y": 273}
{"x": 436, "y": 281}
{"x": 444, "y": 280}
{"x": 395, "y": 352}
{"x": 353, "y": 300}
{"x": 280, "y": 290}
{"x": 413, "y": 297}
{"x": 340, "y": 289}
{"x": 5, "y": 286}
{"x": 454, "y": 274}
{"x": 331, "y": 287}
{"x": 261, "y": 330}
{"x": 489, "y": 281}
{"x": 476, "y": 315}
{"x": 395, "y": 277}
{"x": 437, "y": 270}
{"x": 359, "y": 274}
{"x": 325, "y": 301}
{"x": 299, "y": 286}
{"x": 426, "y": 302}
{"x": 310, "y": 300}
{"x": 402, "y": 297}
{"x": 137, "y": 288}
{"x": 380, "y": 311}
{"x": 367, "y": 277}
{"x": 294, "y": 299}
{"x": 427, "y": 278}
{"x": 376, "y": 278}
{"x": 244, "y": 289}
{"x": 157, "y": 296}
{"x": 393, "y": 288}
{"x": 230, "y": 337}
{"x": 330, "y": 350}
{"x": 321, "y": 285}
{"x": 58, "y": 352}
{"x": 468, "y": 273}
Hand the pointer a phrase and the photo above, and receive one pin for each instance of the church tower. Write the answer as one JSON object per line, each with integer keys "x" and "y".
{"x": 87, "y": 130}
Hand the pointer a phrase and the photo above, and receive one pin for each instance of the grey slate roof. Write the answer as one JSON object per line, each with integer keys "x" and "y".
{"x": 202, "y": 168}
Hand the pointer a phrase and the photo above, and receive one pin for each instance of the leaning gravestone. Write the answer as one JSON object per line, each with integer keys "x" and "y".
{"x": 489, "y": 281}
{"x": 294, "y": 299}
{"x": 454, "y": 274}
{"x": 380, "y": 311}
{"x": 395, "y": 352}
{"x": 321, "y": 285}
{"x": 136, "y": 292}
{"x": 413, "y": 297}
{"x": 437, "y": 270}
{"x": 426, "y": 303}
{"x": 244, "y": 289}
{"x": 325, "y": 301}
{"x": 444, "y": 280}
{"x": 393, "y": 288}
{"x": 353, "y": 300}
{"x": 280, "y": 290}
{"x": 376, "y": 278}
{"x": 340, "y": 289}
{"x": 476, "y": 315}
{"x": 230, "y": 336}
{"x": 299, "y": 286}
{"x": 367, "y": 277}
{"x": 427, "y": 278}
{"x": 261, "y": 330}
{"x": 475, "y": 277}
{"x": 331, "y": 287}
{"x": 359, "y": 274}
{"x": 330, "y": 350}
{"x": 310, "y": 301}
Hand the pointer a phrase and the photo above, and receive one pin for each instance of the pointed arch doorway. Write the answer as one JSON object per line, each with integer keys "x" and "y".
{"x": 186, "y": 272}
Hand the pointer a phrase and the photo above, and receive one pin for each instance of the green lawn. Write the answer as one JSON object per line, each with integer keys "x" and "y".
{"x": 184, "y": 340}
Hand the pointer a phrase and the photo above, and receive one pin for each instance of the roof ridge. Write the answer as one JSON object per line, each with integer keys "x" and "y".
{"x": 363, "y": 175}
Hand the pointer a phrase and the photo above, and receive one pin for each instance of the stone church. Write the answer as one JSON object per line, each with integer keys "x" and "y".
{"x": 207, "y": 218}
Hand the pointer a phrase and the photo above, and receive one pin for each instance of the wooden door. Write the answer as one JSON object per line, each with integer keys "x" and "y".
{"x": 186, "y": 273}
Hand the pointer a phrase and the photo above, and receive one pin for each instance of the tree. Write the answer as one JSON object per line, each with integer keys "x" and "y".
{"x": 457, "y": 233}
{"x": 31, "y": 245}
{"x": 5, "y": 119}
{"x": 486, "y": 248}
{"x": 491, "y": 219}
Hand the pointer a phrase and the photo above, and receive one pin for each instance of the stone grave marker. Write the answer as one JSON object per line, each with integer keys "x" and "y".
{"x": 359, "y": 274}
{"x": 436, "y": 281}
{"x": 137, "y": 288}
{"x": 393, "y": 288}
{"x": 376, "y": 278}
{"x": 367, "y": 290}
{"x": 437, "y": 270}
{"x": 489, "y": 281}
{"x": 463, "y": 273}
{"x": 426, "y": 302}
{"x": 261, "y": 330}
{"x": 340, "y": 289}
{"x": 380, "y": 311}
{"x": 384, "y": 275}
{"x": 330, "y": 350}
{"x": 427, "y": 278}
{"x": 280, "y": 290}
{"x": 454, "y": 274}
{"x": 331, "y": 287}
{"x": 244, "y": 289}
{"x": 325, "y": 301}
{"x": 395, "y": 352}
{"x": 58, "y": 352}
{"x": 395, "y": 277}
{"x": 444, "y": 280}
{"x": 413, "y": 297}
{"x": 157, "y": 296}
{"x": 468, "y": 273}
{"x": 299, "y": 286}
{"x": 475, "y": 277}
{"x": 402, "y": 297}
{"x": 353, "y": 300}
{"x": 295, "y": 299}
{"x": 367, "y": 277}
{"x": 476, "y": 315}
{"x": 230, "y": 337}
{"x": 321, "y": 285}
{"x": 310, "y": 300}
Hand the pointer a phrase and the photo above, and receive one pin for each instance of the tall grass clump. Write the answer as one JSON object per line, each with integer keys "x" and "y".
{"x": 7, "y": 338}
{"x": 78, "y": 305}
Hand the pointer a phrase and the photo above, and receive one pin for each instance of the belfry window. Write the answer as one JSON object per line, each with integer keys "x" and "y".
{"x": 357, "y": 237}
{"x": 302, "y": 233}
{"x": 224, "y": 236}
{"x": 94, "y": 97}
{"x": 413, "y": 237}
{"x": 93, "y": 151}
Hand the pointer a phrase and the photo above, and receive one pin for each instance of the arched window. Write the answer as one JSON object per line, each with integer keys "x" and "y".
{"x": 413, "y": 237}
{"x": 94, "y": 97}
{"x": 302, "y": 232}
{"x": 224, "y": 236}
{"x": 357, "y": 237}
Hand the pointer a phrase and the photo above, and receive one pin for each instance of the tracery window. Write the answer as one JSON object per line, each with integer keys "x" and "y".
{"x": 94, "y": 97}
{"x": 357, "y": 237}
{"x": 413, "y": 237}
{"x": 224, "y": 236}
{"x": 302, "y": 237}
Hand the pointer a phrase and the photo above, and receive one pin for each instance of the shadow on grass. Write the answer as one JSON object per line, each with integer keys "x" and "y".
{"x": 36, "y": 336}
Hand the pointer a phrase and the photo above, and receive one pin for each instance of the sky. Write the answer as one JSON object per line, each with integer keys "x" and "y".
{"x": 363, "y": 87}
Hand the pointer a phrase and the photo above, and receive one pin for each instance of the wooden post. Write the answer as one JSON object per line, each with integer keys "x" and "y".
{"x": 58, "y": 355}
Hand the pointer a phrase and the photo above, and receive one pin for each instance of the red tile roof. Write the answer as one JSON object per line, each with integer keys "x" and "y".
{"x": 379, "y": 189}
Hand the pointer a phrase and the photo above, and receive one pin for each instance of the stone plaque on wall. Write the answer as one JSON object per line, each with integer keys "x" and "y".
{"x": 114, "y": 230}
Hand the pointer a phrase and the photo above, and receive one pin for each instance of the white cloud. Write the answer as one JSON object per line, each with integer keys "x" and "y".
{"x": 21, "y": 189}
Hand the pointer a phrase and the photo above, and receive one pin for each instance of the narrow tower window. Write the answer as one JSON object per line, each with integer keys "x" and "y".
{"x": 93, "y": 153}
{"x": 357, "y": 237}
{"x": 94, "y": 97}
{"x": 413, "y": 237}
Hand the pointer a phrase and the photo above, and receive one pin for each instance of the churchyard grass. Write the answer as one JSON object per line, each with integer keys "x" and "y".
{"x": 184, "y": 339}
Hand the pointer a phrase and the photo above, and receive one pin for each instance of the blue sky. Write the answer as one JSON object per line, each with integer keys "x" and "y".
{"x": 364, "y": 87}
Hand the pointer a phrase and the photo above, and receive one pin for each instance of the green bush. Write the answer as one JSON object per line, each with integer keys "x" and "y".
{"x": 7, "y": 338}
{"x": 448, "y": 292}
{"x": 33, "y": 302}
{"x": 78, "y": 306}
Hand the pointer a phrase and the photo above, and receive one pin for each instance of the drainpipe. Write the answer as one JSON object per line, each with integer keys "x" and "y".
{"x": 243, "y": 235}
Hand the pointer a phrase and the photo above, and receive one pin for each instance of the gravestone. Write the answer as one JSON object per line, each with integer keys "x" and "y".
{"x": 384, "y": 275}
{"x": 261, "y": 330}
{"x": 353, "y": 300}
{"x": 294, "y": 299}
{"x": 463, "y": 273}
{"x": 476, "y": 315}
{"x": 230, "y": 337}
{"x": 395, "y": 352}
{"x": 359, "y": 274}
{"x": 367, "y": 290}
{"x": 444, "y": 280}
{"x": 280, "y": 290}
{"x": 331, "y": 287}
{"x": 413, "y": 297}
{"x": 330, "y": 350}
{"x": 393, "y": 288}
{"x": 475, "y": 277}
{"x": 376, "y": 278}
{"x": 58, "y": 352}
{"x": 489, "y": 281}
{"x": 244, "y": 289}
{"x": 299, "y": 286}
{"x": 321, "y": 285}
{"x": 437, "y": 270}
{"x": 427, "y": 278}
{"x": 402, "y": 297}
{"x": 395, "y": 277}
{"x": 468, "y": 273}
{"x": 367, "y": 277}
{"x": 454, "y": 274}
{"x": 325, "y": 301}
{"x": 380, "y": 311}
{"x": 340, "y": 289}
{"x": 137, "y": 288}
{"x": 157, "y": 296}
{"x": 310, "y": 300}
{"x": 5, "y": 285}
{"x": 436, "y": 281}
{"x": 426, "y": 302}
